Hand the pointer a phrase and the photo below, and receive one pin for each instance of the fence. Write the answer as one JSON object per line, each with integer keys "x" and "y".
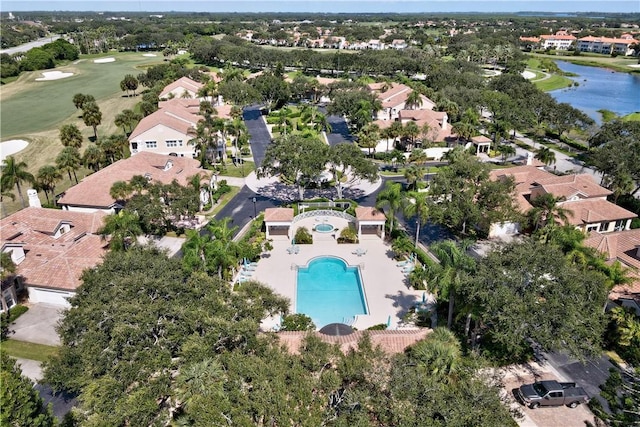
{"x": 319, "y": 205}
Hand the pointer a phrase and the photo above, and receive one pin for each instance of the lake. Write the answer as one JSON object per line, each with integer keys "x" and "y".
{"x": 600, "y": 88}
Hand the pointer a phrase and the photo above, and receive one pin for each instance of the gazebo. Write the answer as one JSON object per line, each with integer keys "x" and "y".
{"x": 482, "y": 143}
{"x": 370, "y": 219}
{"x": 278, "y": 221}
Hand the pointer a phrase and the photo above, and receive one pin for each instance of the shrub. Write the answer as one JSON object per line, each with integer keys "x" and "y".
{"x": 348, "y": 235}
{"x": 303, "y": 236}
{"x": 297, "y": 322}
{"x": 378, "y": 327}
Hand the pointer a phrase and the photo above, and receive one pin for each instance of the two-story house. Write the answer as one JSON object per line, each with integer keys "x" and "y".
{"x": 584, "y": 200}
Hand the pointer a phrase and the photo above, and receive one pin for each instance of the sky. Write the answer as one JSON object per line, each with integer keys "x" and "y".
{"x": 331, "y": 6}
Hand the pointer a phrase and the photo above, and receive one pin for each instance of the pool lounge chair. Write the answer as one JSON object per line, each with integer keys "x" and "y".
{"x": 249, "y": 268}
{"x": 408, "y": 269}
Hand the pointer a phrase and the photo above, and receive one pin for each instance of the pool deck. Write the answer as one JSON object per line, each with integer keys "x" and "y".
{"x": 385, "y": 285}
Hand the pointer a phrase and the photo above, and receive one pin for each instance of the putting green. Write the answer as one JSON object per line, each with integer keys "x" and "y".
{"x": 34, "y": 106}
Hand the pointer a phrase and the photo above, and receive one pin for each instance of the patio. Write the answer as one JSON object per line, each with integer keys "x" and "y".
{"x": 384, "y": 282}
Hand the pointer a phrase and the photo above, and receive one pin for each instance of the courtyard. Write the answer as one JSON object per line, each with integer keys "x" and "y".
{"x": 384, "y": 284}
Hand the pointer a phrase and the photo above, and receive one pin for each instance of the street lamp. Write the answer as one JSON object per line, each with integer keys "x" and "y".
{"x": 255, "y": 212}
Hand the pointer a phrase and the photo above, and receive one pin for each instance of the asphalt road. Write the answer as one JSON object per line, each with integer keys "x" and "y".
{"x": 339, "y": 130}
{"x": 241, "y": 208}
{"x": 259, "y": 137}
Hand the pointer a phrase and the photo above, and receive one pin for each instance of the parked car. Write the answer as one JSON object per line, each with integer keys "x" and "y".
{"x": 551, "y": 393}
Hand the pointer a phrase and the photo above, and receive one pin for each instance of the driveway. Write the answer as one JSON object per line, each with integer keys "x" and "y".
{"x": 339, "y": 130}
{"x": 38, "y": 325}
{"x": 259, "y": 136}
{"x": 515, "y": 376}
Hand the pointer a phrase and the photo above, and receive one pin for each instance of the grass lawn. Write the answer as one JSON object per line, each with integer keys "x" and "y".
{"x": 619, "y": 63}
{"x": 27, "y": 350}
{"x": 553, "y": 83}
{"x": 237, "y": 171}
{"x": 632, "y": 117}
{"x": 29, "y": 106}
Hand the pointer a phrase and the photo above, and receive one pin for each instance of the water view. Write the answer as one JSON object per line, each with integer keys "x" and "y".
{"x": 600, "y": 88}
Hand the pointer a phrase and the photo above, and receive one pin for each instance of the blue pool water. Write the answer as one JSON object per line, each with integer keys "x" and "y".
{"x": 324, "y": 228}
{"x": 328, "y": 291}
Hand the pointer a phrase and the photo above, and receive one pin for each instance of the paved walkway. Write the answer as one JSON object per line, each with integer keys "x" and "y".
{"x": 272, "y": 188}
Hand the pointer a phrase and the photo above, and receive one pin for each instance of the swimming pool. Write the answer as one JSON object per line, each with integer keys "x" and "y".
{"x": 324, "y": 228}
{"x": 329, "y": 291}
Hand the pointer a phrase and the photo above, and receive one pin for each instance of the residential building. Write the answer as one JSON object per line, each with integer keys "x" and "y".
{"x": 168, "y": 130}
{"x": 184, "y": 87}
{"x": 624, "y": 247}
{"x": 558, "y": 41}
{"x": 51, "y": 248}
{"x": 93, "y": 192}
{"x": 607, "y": 45}
{"x": 439, "y": 129}
{"x": 393, "y": 97}
{"x": 585, "y": 201}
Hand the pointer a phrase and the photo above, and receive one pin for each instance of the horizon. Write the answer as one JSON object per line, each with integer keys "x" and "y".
{"x": 321, "y": 6}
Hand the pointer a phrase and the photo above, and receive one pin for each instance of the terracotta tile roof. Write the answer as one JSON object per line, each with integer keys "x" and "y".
{"x": 435, "y": 119}
{"x": 94, "y": 189}
{"x": 570, "y": 185}
{"x": 391, "y": 342}
{"x": 182, "y": 82}
{"x": 190, "y": 104}
{"x": 278, "y": 214}
{"x": 607, "y": 40}
{"x": 589, "y": 211}
{"x": 50, "y": 262}
{"x": 524, "y": 177}
{"x": 557, "y": 37}
{"x": 368, "y": 213}
{"x": 171, "y": 116}
{"x": 481, "y": 139}
{"x": 623, "y": 246}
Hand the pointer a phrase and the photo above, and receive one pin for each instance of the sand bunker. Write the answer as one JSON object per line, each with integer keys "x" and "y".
{"x": 11, "y": 147}
{"x": 104, "y": 60}
{"x": 528, "y": 75}
{"x": 53, "y": 75}
{"x": 149, "y": 54}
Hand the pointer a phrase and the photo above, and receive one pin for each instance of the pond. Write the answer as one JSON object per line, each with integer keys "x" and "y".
{"x": 600, "y": 88}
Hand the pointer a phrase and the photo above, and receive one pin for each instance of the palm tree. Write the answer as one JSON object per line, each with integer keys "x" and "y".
{"x": 126, "y": 119}
{"x": 454, "y": 266}
{"x": 92, "y": 116}
{"x": 414, "y": 100}
{"x": 547, "y": 212}
{"x": 70, "y": 136}
{"x": 93, "y": 157}
{"x": 120, "y": 190}
{"x": 123, "y": 228}
{"x": 387, "y": 133}
{"x": 411, "y": 131}
{"x": 15, "y": 173}
{"x": 47, "y": 178}
{"x": 415, "y": 205}
{"x": 428, "y": 134}
{"x": 439, "y": 353}
{"x": 203, "y": 136}
{"x": 395, "y": 130}
{"x": 506, "y": 151}
{"x": 194, "y": 250}
{"x": 369, "y": 136}
{"x": 546, "y": 156}
{"x": 69, "y": 160}
{"x": 413, "y": 174}
{"x": 463, "y": 130}
{"x": 390, "y": 196}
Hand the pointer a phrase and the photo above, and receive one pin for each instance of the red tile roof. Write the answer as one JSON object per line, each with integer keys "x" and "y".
{"x": 93, "y": 190}
{"x": 50, "y": 262}
{"x": 623, "y": 246}
{"x": 171, "y": 115}
{"x": 591, "y": 211}
{"x": 278, "y": 214}
{"x": 183, "y": 82}
{"x": 391, "y": 342}
{"x": 368, "y": 213}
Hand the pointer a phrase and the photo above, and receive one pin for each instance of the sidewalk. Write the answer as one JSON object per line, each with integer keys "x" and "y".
{"x": 274, "y": 189}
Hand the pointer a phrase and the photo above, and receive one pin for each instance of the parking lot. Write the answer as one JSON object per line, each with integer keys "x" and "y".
{"x": 543, "y": 417}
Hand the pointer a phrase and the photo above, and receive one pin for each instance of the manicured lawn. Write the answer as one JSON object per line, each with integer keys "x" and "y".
{"x": 632, "y": 117}
{"x": 27, "y": 350}
{"x": 553, "y": 83}
{"x": 29, "y": 106}
{"x": 619, "y": 63}
{"x": 237, "y": 171}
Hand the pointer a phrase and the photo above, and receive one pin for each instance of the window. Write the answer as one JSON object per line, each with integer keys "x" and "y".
{"x": 620, "y": 225}
{"x": 174, "y": 143}
{"x": 151, "y": 144}
{"x": 593, "y": 227}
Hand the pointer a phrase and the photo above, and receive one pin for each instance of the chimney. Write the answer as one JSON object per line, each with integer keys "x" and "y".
{"x": 34, "y": 200}
{"x": 168, "y": 165}
{"x": 529, "y": 159}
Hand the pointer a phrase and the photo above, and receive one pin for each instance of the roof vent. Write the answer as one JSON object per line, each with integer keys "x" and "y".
{"x": 168, "y": 165}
